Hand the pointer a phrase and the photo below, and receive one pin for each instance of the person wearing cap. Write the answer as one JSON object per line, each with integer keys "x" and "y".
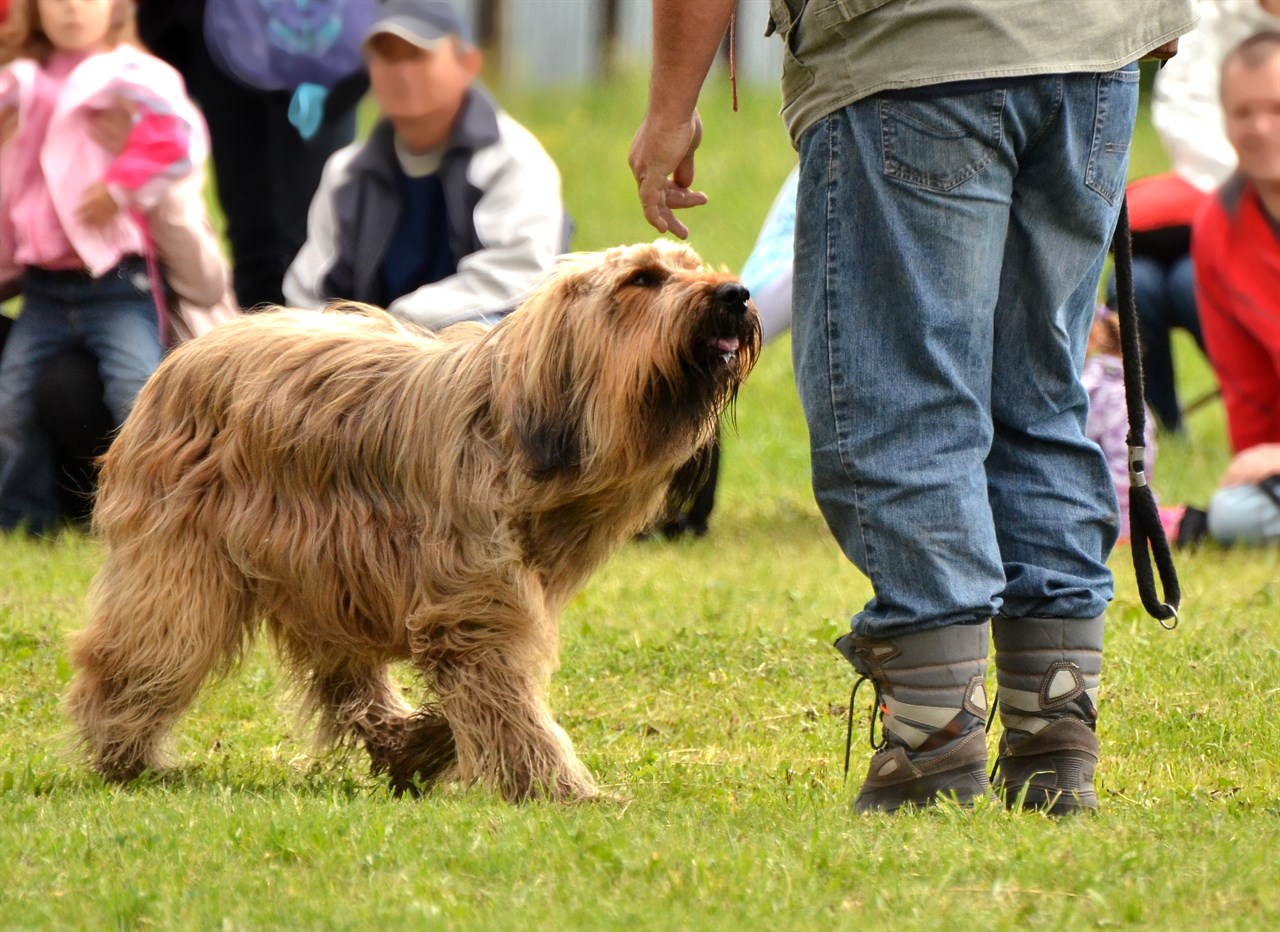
{"x": 450, "y": 209}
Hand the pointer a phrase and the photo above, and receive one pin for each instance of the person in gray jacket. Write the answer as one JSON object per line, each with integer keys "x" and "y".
{"x": 450, "y": 209}
{"x": 962, "y": 164}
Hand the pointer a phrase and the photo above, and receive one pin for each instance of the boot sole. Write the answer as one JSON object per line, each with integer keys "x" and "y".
{"x": 1032, "y": 784}
{"x": 1050, "y": 800}
{"x": 961, "y": 787}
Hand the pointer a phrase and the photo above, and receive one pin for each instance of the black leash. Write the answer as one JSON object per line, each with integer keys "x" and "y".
{"x": 1146, "y": 533}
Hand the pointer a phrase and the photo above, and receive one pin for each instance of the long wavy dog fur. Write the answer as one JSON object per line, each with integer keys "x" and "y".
{"x": 372, "y": 493}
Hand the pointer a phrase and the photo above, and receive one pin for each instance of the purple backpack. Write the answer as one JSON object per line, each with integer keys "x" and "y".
{"x": 303, "y": 46}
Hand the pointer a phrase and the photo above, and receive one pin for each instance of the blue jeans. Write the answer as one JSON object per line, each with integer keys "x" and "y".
{"x": 948, "y": 253}
{"x": 1166, "y": 299}
{"x": 1246, "y": 513}
{"x": 114, "y": 317}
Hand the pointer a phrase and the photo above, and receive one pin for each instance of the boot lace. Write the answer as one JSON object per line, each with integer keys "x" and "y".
{"x": 995, "y": 706}
{"x": 877, "y": 711}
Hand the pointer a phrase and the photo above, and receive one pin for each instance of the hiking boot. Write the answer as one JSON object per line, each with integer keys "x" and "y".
{"x": 931, "y": 697}
{"x": 1048, "y": 670}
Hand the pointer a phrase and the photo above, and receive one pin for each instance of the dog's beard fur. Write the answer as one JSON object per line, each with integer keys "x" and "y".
{"x": 374, "y": 492}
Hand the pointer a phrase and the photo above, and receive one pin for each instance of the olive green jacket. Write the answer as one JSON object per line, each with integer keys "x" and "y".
{"x": 839, "y": 51}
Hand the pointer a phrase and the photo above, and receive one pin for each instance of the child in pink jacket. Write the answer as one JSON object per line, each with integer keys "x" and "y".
{"x": 1108, "y": 422}
{"x": 71, "y": 224}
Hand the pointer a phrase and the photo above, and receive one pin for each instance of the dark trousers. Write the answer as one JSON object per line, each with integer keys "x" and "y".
{"x": 1165, "y": 294}
{"x": 70, "y": 409}
{"x": 265, "y": 172}
{"x": 71, "y": 412}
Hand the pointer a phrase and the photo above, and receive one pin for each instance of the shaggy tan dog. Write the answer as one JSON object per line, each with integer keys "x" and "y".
{"x": 373, "y": 492}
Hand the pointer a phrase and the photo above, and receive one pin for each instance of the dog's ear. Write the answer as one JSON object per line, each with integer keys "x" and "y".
{"x": 549, "y": 439}
{"x": 690, "y": 478}
{"x": 545, "y": 408}
{"x": 542, "y": 391}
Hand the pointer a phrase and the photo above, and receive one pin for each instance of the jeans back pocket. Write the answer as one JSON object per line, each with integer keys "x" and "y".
{"x": 1115, "y": 111}
{"x": 940, "y": 143}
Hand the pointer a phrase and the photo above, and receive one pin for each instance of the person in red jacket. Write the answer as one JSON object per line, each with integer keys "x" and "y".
{"x": 1236, "y": 249}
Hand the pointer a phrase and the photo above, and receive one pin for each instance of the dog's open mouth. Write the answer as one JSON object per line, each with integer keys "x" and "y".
{"x": 717, "y": 350}
{"x": 726, "y": 347}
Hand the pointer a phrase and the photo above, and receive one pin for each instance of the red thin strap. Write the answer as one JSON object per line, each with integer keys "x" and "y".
{"x": 733, "y": 67}
{"x": 157, "y": 281}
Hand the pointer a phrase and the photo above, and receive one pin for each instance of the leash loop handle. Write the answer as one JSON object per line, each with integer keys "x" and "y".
{"x": 1147, "y": 537}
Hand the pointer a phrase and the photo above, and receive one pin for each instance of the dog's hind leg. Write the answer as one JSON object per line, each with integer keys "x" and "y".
{"x": 355, "y": 702}
{"x": 161, "y": 624}
{"x": 494, "y": 697}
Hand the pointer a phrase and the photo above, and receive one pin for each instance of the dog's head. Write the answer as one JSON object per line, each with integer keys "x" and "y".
{"x": 625, "y": 357}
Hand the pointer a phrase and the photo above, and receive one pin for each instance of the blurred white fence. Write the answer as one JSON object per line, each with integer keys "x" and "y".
{"x": 543, "y": 42}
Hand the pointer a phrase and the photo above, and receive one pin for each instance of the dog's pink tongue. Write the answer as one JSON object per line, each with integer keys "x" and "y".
{"x": 726, "y": 344}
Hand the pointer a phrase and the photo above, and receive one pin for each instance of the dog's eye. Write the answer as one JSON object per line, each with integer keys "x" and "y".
{"x": 645, "y": 278}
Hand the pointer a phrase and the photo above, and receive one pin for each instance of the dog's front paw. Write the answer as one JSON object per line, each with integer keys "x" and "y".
{"x": 569, "y": 783}
{"x": 420, "y": 754}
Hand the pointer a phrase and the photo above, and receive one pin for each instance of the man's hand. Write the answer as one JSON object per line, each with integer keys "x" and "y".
{"x": 1253, "y": 465}
{"x": 98, "y": 206}
{"x": 661, "y": 160}
{"x": 1164, "y": 52}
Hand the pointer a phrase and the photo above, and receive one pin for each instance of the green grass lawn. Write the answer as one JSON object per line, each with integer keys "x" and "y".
{"x": 699, "y": 684}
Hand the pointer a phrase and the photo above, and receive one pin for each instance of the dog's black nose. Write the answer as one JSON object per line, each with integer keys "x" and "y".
{"x": 733, "y": 295}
